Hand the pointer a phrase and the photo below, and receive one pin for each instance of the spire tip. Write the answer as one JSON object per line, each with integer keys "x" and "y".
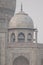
{"x": 21, "y": 7}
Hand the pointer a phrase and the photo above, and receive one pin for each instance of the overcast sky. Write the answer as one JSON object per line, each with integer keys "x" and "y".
{"x": 34, "y": 8}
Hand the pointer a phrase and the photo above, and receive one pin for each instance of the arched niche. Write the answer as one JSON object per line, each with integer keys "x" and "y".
{"x": 13, "y": 37}
{"x": 21, "y": 60}
{"x": 29, "y": 37}
{"x": 21, "y": 37}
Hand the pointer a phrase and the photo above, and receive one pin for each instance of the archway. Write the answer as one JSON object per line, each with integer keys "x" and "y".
{"x": 21, "y": 60}
{"x": 21, "y": 37}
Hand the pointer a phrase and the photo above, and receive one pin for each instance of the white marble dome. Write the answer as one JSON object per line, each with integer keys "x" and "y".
{"x": 21, "y": 20}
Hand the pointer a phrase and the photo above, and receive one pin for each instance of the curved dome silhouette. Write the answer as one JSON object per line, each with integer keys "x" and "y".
{"x": 21, "y": 20}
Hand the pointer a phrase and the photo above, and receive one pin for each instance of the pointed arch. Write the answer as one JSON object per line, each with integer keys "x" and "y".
{"x": 21, "y": 60}
{"x": 13, "y": 37}
{"x": 29, "y": 37}
{"x": 21, "y": 37}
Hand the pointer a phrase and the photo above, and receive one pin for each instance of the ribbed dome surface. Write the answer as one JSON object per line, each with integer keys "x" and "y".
{"x": 21, "y": 20}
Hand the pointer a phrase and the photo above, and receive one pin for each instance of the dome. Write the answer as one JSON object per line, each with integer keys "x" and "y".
{"x": 21, "y": 20}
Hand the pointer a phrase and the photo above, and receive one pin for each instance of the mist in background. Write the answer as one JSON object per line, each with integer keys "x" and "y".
{"x": 34, "y": 8}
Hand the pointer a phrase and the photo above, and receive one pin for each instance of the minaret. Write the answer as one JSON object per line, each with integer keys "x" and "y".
{"x": 7, "y": 9}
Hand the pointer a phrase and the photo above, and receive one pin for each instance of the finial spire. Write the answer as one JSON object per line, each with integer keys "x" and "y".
{"x": 21, "y": 7}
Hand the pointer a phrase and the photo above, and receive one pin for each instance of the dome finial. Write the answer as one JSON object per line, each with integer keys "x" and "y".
{"x": 21, "y": 7}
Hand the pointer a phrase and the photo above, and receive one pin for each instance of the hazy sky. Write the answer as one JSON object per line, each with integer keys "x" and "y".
{"x": 34, "y": 8}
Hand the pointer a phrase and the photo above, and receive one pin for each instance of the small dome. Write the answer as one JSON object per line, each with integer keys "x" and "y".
{"x": 21, "y": 20}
